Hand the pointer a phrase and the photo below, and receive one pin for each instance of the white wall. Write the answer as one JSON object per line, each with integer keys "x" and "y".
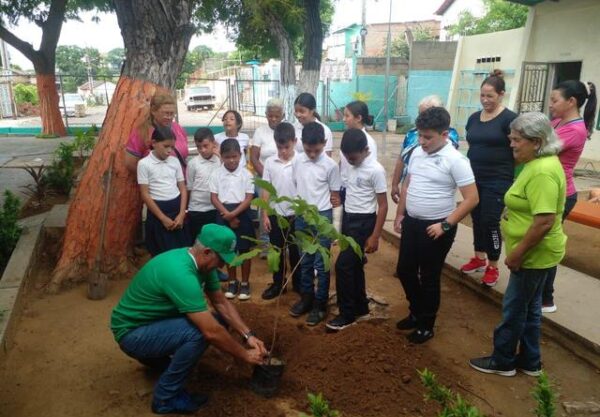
{"x": 453, "y": 12}
{"x": 569, "y": 31}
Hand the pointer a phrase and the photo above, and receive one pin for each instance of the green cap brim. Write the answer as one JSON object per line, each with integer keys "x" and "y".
{"x": 228, "y": 257}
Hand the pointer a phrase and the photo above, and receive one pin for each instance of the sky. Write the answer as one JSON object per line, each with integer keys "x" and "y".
{"x": 106, "y": 34}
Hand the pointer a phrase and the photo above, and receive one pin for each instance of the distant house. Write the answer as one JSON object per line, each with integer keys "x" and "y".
{"x": 450, "y": 11}
{"x": 376, "y": 39}
{"x": 102, "y": 91}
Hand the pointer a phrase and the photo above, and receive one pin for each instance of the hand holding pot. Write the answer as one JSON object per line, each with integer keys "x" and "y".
{"x": 255, "y": 343}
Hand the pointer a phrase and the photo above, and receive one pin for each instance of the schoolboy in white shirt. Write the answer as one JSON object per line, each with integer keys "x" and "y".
{"x": 317, "y": 179}
{"x": 427, "y": 216}
{"x": 231, "y": 192}
{"x": 199, "y": 170}
{"x": 278, "y": 170}
{"x": 365, "y": 210}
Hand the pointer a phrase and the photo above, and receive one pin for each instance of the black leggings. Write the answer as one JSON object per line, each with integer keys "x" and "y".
{"x": 486, "y": 218}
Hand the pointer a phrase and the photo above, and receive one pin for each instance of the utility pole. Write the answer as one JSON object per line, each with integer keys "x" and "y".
{"x": 387, "y": 79}
{"x": 363, "y": 29}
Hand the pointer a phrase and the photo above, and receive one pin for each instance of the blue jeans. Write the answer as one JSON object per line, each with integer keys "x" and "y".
{"x": 154, "y": 343}
{"x": 310, "y": 263}
{"x": 521, "y": 320}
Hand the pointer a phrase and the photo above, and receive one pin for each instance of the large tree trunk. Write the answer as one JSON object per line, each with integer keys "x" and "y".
{"x": 313, "y": 48}
{"x": 156, "y": 35}
{"x": 44, "y": 60}
{"x": 52, "y": 122}
{"x": 287, "y": 65}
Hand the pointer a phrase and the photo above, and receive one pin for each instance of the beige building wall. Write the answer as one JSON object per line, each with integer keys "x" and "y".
{"x": 376, "y": 39}
{"x": 468, "y": 74}
{"x": 569, "y": 31}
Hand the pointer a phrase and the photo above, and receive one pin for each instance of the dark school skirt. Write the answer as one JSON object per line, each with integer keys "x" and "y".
{"x": 246, "y": 228}
{"x": 159, "y": 239}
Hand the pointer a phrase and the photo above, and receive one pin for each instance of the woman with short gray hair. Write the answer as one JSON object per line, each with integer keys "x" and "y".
{"x": 262, "y": 144}
{"x": 534, "y": 243}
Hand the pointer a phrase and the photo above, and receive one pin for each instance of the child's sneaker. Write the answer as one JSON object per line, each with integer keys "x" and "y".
{"x": 272, "y": 291}
{"x": 549, "y": 308}
{"x": 474, "y": 265}
{"x": 339, "y": 323}
{"x": 490, "y": 278}
{"x": 317, "y": 314}
{"x": 182, "y": 403}
{"x": 244, "y": 291}
{"x": 232, "y": 289}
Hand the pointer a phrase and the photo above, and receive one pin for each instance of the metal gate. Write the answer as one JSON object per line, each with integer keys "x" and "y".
{"x": 534, "y": 84}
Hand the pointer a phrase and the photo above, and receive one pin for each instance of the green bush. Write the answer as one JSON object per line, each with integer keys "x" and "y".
{"x": 9, "y": 229}
{"x": 26, "y": 93}
{"x": 59, "y": 175}
{"x": 319, "y": 407}
{"x": 84, "y": 141}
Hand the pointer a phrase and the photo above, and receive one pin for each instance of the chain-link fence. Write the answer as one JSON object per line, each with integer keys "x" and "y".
{"x": 84, "y": 99}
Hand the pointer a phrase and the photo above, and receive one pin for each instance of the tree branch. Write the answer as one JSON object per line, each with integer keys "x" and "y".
{"x": 20, "y": 45}
{"x": 51, "y": 29}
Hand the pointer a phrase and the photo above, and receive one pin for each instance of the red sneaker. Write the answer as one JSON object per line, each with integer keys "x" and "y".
{"x": 490, "y": 278}
{"x": 474, "y": 265}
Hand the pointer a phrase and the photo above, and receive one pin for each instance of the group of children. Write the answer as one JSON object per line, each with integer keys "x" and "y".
{"x": 221, "y": 190}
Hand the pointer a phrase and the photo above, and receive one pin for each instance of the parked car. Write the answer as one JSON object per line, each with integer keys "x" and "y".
{"x": 199, "y": 97}
{"x": 74, "y": 104}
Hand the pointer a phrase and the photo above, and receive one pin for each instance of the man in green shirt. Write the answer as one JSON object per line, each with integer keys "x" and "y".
{"x": 163, "y": 319}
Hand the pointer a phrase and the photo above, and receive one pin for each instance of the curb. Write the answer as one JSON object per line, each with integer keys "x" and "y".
{"x": 575, "y": 343}
{"x": 15, "y": 280}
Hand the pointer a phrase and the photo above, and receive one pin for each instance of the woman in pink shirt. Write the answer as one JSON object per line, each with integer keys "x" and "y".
{"x": 162, "y": 111}
{"x": 566, "y": 101}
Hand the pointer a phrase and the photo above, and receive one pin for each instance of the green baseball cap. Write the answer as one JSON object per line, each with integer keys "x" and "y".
{"x": 220, "y": 239}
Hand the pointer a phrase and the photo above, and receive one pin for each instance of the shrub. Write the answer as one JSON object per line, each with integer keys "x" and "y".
{"x": 26, "y": 93}
{"x": 59, "y": 175}
{"x": 84, "y": 142}
{"x": 9, "y": 229}
{"x": 319, "y": 407}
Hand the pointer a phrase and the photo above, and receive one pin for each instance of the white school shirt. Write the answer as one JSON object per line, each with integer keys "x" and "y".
{"x": 328, "y": 137}
{"x": 199, "y": 171}
{"x": 161, "y": 176}
{"x": 231, "y": 187}
{"x": 363, "y": 183}
{"x": 433, "y": 182}
{"x": 280, "y": 174}
{"x": 316, "y": 179}
{"x": 372, "y": 156}
{"x": 264, "y": 139}
{"x": 242, "y": 138}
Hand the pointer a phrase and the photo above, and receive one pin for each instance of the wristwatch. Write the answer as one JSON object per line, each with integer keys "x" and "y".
{"x": 248, "y": 335}
{"x": 446, "y": 226}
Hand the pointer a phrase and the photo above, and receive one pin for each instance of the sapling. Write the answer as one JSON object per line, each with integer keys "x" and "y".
{"x": 306, "y": 240}
{"x": 319, "y": 407}
{"x": 543, "y": 393}
{"x": 84, "y": 142}
{"x": 453, "y": 405}
{"x": 39, "y": 189}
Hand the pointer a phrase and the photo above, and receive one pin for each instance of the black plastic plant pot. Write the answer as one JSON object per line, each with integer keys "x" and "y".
{"x": 267, "y": 378}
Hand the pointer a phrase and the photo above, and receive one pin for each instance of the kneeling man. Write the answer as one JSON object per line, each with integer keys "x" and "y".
{"x": 163, "y": 319}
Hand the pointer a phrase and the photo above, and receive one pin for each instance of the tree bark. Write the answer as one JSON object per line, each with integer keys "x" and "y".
{"x": 156, "y": 35}
{"x": 287, "y": 65}
{"x": 313, "y": 48}
{"x": 43, "y": 61}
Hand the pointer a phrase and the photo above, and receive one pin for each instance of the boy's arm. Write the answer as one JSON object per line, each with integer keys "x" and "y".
{"x": 398, "y": 168}
{"x": 401, "y": 209}
{"x": 335, "y": 183}
{"x": 214, "y": 199}
{"x": 255, "y": 159}
{"x": 244, "y": 205}
{"x": 372, "y": 243}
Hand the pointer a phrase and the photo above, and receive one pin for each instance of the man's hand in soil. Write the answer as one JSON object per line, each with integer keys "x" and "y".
{"x": 255, "y": 343}
{"x": 255, "y": 356}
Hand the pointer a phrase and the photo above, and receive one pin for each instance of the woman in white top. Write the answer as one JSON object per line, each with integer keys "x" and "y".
{"x": 262, "y": 145}
{"x": 232, "y": 123}
{"x": 305, "y": 111}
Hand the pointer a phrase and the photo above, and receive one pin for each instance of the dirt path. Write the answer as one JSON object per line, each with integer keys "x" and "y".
{"x": 66, "y": 363}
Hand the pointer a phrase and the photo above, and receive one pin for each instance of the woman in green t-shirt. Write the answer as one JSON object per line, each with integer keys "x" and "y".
{"x": 535, "y": 243}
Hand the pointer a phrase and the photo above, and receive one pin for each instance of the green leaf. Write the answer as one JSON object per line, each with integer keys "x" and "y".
{"x": 262, "y": 204}
{"x": 273, "y": 256}
{"x": 326, "y": 255}
{"x": 245, "y": 256}
{"x": 253, "y": 239}
{"x": 267, "y": 186}
{"x": 282, "y": 222}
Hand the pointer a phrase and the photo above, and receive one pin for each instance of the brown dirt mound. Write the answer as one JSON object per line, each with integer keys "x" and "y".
{"x": 368, "y": 370}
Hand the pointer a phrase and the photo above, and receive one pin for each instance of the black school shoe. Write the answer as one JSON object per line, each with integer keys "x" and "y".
{"x": 420, "y": 336}
{"x": 272, "y": 291}
{"x": 339, "y": 323}
{"x": 182, "y": 403}
{"x": 488, "y": 365}
{"x": 317, "y": 314}
{"x": 302, "y": 306}
{"x": 407, "y": 323}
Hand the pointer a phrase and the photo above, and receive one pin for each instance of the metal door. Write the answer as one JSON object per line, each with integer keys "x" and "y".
{"x": 532, "y": 91}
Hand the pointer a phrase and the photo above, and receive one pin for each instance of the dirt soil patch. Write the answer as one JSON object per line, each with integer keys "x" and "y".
{"x": 66, "y": 363}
